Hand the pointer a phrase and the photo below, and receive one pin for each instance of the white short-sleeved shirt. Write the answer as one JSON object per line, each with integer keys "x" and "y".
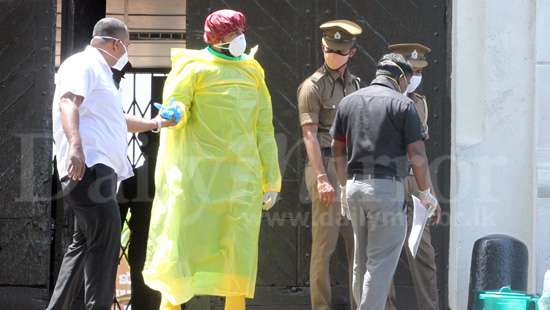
{"x": 103, "y": 128}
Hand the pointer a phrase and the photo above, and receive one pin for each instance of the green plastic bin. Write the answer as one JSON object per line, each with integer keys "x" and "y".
{"x": 505, "y": 299}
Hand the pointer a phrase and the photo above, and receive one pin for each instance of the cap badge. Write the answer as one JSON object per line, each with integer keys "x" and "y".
{"x": 337, "y": 35}
{"x": 414, "y": 55}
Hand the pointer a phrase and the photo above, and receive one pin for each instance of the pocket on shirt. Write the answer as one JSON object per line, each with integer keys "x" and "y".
{"x": 328, "y": 112}
{"x": 329, "y": 103}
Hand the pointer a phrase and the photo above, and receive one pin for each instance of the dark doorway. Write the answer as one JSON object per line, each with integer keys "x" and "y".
{"x": 27, "y": 37}
{"x": 289, "y": 40}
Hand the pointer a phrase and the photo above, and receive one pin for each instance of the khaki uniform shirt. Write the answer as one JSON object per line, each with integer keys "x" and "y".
{"x": 319, "y": 96}
{"x": 422, "y": 109}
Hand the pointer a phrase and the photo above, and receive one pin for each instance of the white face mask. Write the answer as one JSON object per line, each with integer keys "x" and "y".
{"x": 415, "y": 82}
{"x": 122, "y": 60}
{"x": 237, "y": 46}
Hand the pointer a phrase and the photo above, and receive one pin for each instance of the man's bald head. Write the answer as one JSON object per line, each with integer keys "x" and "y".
{"x": 111, "y": 27}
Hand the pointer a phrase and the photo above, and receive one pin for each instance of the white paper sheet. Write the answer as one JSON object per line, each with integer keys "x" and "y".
{"x": 420, "y": 217}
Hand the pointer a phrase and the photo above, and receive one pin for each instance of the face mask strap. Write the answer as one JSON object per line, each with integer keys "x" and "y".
{"x": 99, "y": 48}
{"x": 328, "y": 50}
{"x": 114, "y": 39}
{"x": 225, "y": 45}
{"x": 108, "y": 38}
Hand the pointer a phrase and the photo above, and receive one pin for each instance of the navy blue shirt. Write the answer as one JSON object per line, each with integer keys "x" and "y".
{"x": 377, "y": 123}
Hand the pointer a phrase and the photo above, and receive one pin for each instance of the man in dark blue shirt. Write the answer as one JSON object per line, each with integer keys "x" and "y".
{"x": 377, "y": 135}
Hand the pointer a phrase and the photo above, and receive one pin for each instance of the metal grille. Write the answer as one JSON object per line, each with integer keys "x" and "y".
{"x": 136, "y": 94}
{"x": 137, "y": 90}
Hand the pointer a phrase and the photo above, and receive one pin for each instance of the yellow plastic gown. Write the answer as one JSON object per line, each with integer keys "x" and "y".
{"x": 212, "y": 170}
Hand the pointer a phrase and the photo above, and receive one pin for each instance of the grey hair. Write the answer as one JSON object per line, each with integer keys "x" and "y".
{"x": 110, "y": 27}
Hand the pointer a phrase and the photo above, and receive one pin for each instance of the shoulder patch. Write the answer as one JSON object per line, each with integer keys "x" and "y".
{"x": 418, "y": 96}
{"x": 315, "y": 77}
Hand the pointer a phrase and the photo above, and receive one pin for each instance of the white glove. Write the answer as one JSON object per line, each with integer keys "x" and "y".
{"x": 344, "y": 208}
{"x": 269, "y": 200}
{"x": 429, "y": 201}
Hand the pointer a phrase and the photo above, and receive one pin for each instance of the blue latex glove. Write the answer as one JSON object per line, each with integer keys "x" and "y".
{"x": 171, "y": 112}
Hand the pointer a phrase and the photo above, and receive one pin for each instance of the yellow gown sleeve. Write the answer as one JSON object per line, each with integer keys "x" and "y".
{"x": 267, "y": 146}
{"x": 179, "y": 86}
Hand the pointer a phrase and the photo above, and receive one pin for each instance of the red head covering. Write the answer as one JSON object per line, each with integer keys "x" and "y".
{"x": 222, "y": 22}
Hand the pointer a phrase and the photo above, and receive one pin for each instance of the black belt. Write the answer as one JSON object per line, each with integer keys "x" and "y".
{"x": 358, "y": 176}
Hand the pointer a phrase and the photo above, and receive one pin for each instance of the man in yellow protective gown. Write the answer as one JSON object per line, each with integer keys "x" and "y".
{"x": 214, "y": 171}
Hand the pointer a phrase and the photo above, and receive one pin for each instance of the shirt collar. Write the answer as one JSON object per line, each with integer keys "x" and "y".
{"x": 335, "y": 75}
{"x": 385, "y": 81}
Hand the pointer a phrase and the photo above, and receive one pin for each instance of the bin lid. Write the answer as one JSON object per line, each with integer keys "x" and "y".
{"x": 505, "y": 293}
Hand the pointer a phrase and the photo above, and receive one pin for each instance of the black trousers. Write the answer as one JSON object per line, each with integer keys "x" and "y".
{"x": 93, "y": 253}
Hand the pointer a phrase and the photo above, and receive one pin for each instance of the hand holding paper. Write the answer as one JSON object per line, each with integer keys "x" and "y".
{"x": 420, "y": 217}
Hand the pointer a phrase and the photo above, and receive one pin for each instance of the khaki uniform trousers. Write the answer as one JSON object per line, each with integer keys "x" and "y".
{"x": 422, "y": 268}
{"x": 327, "y": 226}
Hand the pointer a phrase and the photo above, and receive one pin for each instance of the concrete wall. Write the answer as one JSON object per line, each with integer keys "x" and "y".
{"x": 542, "y": 143}
{"x": 492, "y": 176}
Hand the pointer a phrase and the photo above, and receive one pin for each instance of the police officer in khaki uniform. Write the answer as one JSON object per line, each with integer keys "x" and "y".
{"x": 422, "y": 268}
{"x": 318, "y": 98}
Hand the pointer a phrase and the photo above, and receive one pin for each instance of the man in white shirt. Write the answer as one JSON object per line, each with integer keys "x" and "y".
{"x": 90, "y": 134}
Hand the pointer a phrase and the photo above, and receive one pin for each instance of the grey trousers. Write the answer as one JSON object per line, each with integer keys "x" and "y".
{"x": 93, "y": 253}
{"x": 379, "y": 225}
{"x": 422, "y": 268}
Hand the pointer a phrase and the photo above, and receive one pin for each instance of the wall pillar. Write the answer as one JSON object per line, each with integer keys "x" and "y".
{"x": 542, "y": 144}
{"x": 492, "y": 128}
